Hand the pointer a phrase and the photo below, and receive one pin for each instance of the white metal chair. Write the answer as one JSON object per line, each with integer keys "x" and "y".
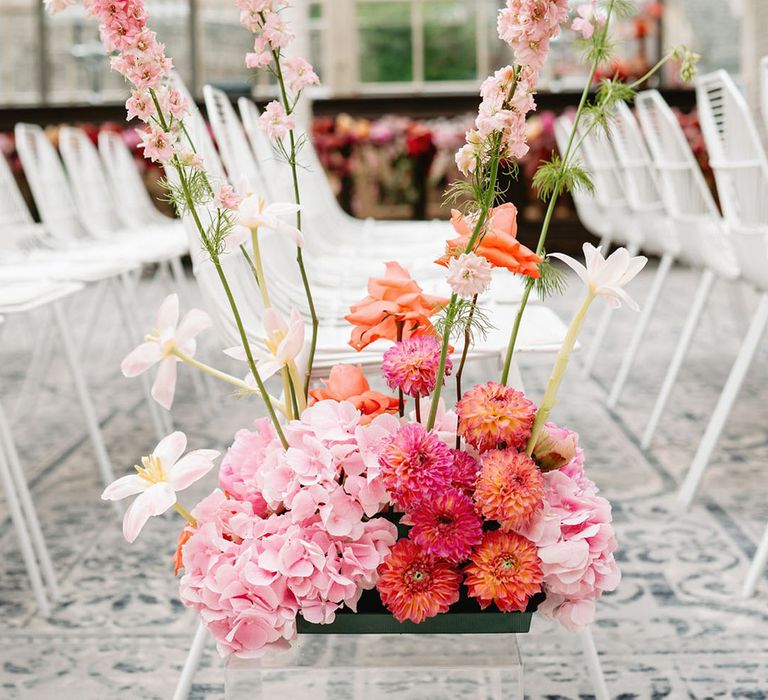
{"x": 741, "y": 171}
{"x": 761, "y": 554}
{"x": 648, "y": 210}
{"x": 695, "y": 218}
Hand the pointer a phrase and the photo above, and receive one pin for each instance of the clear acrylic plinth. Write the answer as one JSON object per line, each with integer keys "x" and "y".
{"x": 375, "y": 667}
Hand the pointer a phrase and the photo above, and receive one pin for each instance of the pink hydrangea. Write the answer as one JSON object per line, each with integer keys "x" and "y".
{"x": 249, "y": 578}
{"x": 575, "y": 541}
{"x": 411, "y": 365}
{"x": 237, "y": 474}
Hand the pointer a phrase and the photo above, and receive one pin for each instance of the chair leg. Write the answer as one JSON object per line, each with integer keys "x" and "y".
{"x": 128, "y": 312}
{"x": 33, "y": 379}
{"x": 691, "y": 323}
{"x": 28, "y": 509}
{"x": 91, "y": 419}
{"x": 660, "y": 278}
{"x": 25, "y": 544}
{"x": 184, "y": 683}
{"x": 92, "y": 315}
{"x": 593, "y": 664}
{"x": 757, "y": 567}
{"x": 725, "y": 402}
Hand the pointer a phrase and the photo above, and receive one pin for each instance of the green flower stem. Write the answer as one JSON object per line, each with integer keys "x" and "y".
{"x": 290, "y": 401}
{"x": 481, "y": 219}
{"x": 297, "y": 196}
{"x": 551, "y": 206}
{"x": 465, "y": 351}
{"x": 258, "y": 269}
{"x": 185, "y": 514}
{"x": 223, "y": 376}
{"x": 558, "y": 372}
{"x": 190, "y": 202}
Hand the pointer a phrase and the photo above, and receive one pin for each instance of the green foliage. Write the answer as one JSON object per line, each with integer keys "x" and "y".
{"x": 555, "y": 177}
{"x": 455, "y": 320}
{"x": 552, "y": 281}
{"x": 623, "y": 8}
{"x": 688, "y": 60}
{"x": 198, "y": 190}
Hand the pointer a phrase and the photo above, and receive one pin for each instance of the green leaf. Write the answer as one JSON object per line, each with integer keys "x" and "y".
{"x": 553, "y": 281}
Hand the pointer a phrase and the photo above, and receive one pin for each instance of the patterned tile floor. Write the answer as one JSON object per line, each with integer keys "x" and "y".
{"x": 674, "y": 629}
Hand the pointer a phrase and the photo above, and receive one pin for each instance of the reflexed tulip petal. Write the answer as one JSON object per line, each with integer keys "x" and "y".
{"x": 154, "y": 501}
{"x": 141, "y": 359}
{"x": 195, "y": 322}
{"x": 190, "y": 468}
{"x": 168, "y": 313}
{"x": 124, "y": 486}
{"x": 164, "y": 386}
{"x": 170, "y": 448}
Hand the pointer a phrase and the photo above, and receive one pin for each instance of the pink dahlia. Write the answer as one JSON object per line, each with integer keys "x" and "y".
{"x": 492, "y": 413}
{"x": 415, "y": 585}
{"x": 415, "y": 465}
{"x": 465, "y": 471}
{"x": 510, "y": 489}
{"x": 447, "y": 527}
{"x": 411, "y": 365}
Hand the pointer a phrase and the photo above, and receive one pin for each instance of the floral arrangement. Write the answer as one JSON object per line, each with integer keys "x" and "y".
{"x": 342, "y": 489}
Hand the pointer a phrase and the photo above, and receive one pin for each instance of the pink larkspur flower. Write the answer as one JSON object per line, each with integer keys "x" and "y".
{"x": 469, "y": 275}
{"x": 299, "y": 74}
{"x": 275, "y": 121}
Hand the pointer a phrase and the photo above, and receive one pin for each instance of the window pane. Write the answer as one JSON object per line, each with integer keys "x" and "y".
{"x": 384, "y": 33}
{"x": 450, "y": 46}
{"x": 224, "y": 43}
{"x": 316, "y": 29}
{"x": 78, "y": 63}
{"x": 18, "y": 52}
{"x": 499, "y": 53}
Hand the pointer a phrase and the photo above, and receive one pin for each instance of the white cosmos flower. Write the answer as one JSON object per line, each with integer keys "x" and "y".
{"x": 157, "y": 480}
{"x": 607, "y": 277}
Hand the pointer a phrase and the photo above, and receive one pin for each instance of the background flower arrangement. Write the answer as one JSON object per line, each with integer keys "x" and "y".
{"x": 340, "y": 489}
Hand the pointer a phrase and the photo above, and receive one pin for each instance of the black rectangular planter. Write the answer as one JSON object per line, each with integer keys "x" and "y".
{"x": 465, "y": 617}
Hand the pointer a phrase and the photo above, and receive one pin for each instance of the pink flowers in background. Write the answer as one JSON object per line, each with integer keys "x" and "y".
{"x": 586, "y": 16}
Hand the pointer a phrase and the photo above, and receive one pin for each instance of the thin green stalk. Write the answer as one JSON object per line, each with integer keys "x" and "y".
{"x": 185, "y": 514}
{"x": 297, "y": 196}
{"x": 233, "y": 305}
{"x": 258, "y": 269}
{"x": 558, "y": 372}
{"x": 551, "y": 206}
{"x": 481, "y": 219}
{"x": 465, "y": 351}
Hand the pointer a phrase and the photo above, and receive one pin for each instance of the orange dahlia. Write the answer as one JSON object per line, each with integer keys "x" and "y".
{"x": 510, "y": 488}
{"x": 505, "y": 569}
{"x": 415, "y": 585}
{"x": 492, "y": 413}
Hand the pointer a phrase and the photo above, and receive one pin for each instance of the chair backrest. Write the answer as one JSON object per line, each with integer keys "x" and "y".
{"x": 682, "y": 185}
{"x": 134, "y": 206}
{"x": 49, "y": 184}
{"x": 764, "y": 91}
{"x": 233, "y": 144}
{"x": 735, "y": 151}
{"x": 738, "y": 160}
{"x": 634, "y": 160}
{"x": 588, "y": 208}
{"x": 88, "y": 180}
{"x": 16, "y": 223}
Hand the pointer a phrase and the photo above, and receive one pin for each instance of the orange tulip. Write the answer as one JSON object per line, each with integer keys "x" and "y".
{"x": 392, "y": 299}
{"x": 348, "y": 383}
{"x": 498, "y": 245}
